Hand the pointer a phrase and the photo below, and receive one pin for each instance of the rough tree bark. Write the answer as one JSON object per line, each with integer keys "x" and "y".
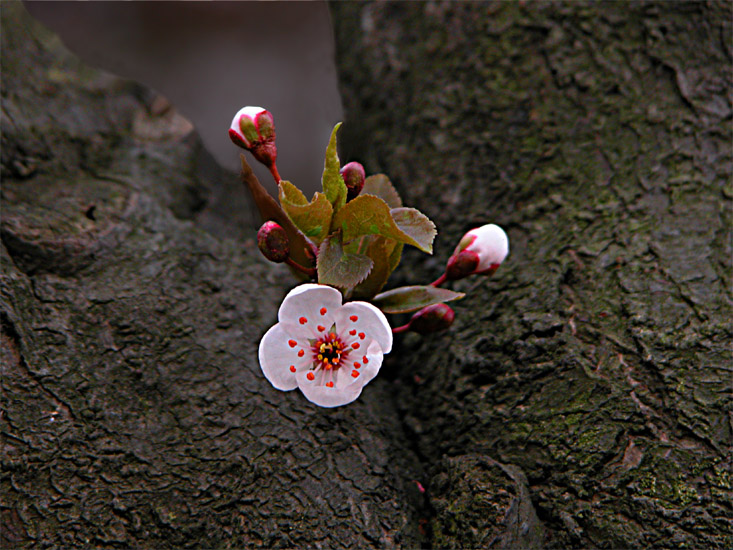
{"x": 597, "y": 361}
{"x": 134, "y": 410}
{"x": 580, "y": 398}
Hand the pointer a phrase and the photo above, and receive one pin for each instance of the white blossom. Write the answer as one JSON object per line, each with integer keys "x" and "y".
{"x": 246, "y": 128}
{"x": 328, "y": 350}
{"x": 490, "y": 244}
{"x": 480, "y": 251}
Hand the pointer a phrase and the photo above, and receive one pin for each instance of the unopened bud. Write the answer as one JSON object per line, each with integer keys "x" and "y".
{"x": 480, "y": 251}
{"x": 432, "y": 319}
{"x": 354, "y": 176}
{"x": 253, "y": 128}
{"x": 273, "y": 242}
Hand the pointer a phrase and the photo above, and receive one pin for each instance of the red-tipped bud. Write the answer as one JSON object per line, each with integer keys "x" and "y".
{"x": 354, "y": 176}
{"x": 253, "y": 128}
{"x": 480, "y": 251}
{"x": 432, "y": 319}
{"x": 273, "y": 242}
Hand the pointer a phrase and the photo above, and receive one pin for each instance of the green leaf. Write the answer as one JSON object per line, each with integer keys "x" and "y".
{"x": 341, "y": 269}
{"x": 333, "y": 184}
{"x": 312, "y": 218}
{"x": 395, "y": 257}
{"x": 380, "y": 186}
{"x": 380, "y": 250}
{"x": 291, "y": 194}
{"x": 411, "y": 298}
{"x": 370, "y": 215}
{"x": 417, "y": 225}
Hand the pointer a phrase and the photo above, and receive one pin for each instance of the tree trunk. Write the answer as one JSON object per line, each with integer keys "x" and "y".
{"x": 581, "y": 399}
{"x": 597, "y": 360}
{"x": 135, "y": 413}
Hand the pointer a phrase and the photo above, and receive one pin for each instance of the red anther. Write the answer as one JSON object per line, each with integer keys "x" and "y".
{"x": 354, "y": 318}
{"x": 323, "y": 311}
{"x": 365, "y": 359}
{"x": 352, "y": 332}
{"x": 292, "y": 343}
{"x": 357, "y": 365}
{"x": 321, "y": 328}
{"x": 292, "y": 368}
{"x": 329, "y": 384}
{"x": 302, "y": 320}
{"x": 356, "y": 345}
{"x": 301, "y": 353}
{"x": 362, "y": 335}
{"x": 355, "y": 373}
{"x": 310, "y": 376}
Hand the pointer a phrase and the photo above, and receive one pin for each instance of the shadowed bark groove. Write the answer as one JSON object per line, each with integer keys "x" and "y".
{"x": 597, "y": 360}
{"x": 134, "y": 410}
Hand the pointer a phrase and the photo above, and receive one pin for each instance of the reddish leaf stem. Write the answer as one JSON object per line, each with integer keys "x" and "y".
{"x": 310, "y": 271}
{"x": 403, "y": 328}
{"x": 439, "y": 281}
{"x": 275, "y": 173}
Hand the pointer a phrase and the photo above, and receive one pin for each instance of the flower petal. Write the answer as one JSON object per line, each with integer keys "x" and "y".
{"x": 360, "y": 321}
{"x": 309, "y": 306}
{"x": 347, "y": 385}
{"x": 278, "y": 352}
{"x": 491, "y": 244}
{"x": 322, "y": 395}
{"x": 367, "y": 369}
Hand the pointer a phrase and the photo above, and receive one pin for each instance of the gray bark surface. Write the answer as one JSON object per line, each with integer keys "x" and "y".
{"x": 597, "y": 360}
{"x": 582, "y": 397}
{"x": 134, "y": 410}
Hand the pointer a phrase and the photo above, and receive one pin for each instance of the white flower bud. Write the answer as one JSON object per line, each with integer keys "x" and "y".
{"x": 480, "y": 251}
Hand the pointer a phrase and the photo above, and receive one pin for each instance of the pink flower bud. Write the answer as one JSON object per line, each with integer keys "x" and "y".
{"x": 480, "y": 251}
{"x": 432, "y": 319}
{"x": 253, "y": 128}
{"x": 354, "y": 176}
{"x": 273, "y": 242}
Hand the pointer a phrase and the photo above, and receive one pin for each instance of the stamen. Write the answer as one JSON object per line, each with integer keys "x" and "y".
{"x": 292, "y": 343}
{"x": 365, "y": 360}
{"x": 321, "y": 328}
{"x": 329, "y": 384}
{"x": 352, "y": 332}
{"x": 362, "y": 335}
{"x": 354, "y": 318}
{"x": 356, "y": 345}
{"x": 323, "y": 311}
{"x": 357, "y": 365}
{"x": 355, "y": 373}
{"x": 301, "y": 353}
{"x": 328, "y": 352}
{"x": 292, "y": 368}
{"x": 302, "y": 320}
{"x": 310, "y": 376}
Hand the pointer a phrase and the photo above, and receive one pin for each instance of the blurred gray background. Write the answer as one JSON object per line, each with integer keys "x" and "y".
{"x": 212, "y": 58}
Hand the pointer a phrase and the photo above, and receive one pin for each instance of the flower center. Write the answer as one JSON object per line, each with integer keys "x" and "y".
{"x": 328, "y": 351}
